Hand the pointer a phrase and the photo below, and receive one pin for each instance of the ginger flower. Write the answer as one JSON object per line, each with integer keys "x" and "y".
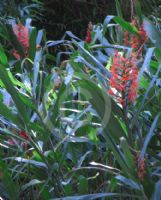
{"x": 22, "y": 35}
{"x": 134, "y": 41}
{"x": 141, "y": 168}
{"x": 88, "y": 38}
{"x": 16, "y": 142}
{"x": 123, "y": 82}
{"x": 24, "y": 135}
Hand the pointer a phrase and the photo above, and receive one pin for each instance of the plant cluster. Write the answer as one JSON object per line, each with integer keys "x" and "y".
{"x": 83, "y": 123}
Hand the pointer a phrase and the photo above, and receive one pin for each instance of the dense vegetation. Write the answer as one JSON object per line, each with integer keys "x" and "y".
{"x": 80, "y": 115}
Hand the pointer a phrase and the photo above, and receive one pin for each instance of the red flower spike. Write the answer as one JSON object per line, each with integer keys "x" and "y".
{"x": 124, "y": 79}
{"x": 134, "y": 41}
{"x": 21, "y": 33}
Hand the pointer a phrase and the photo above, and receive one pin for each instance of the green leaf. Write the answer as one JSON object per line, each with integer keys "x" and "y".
{"x": 146, "y": 63}
{"x": 3, "y": 58}
{"x": 113, "y": 184}
{"x": 126, "y": 25}
{"x": 7, "y": 113}
{"x": 44, "y": 192}
{"x": 16, "y": 82}
{"x": 68, "y": 190}
{"x": 31, "y": 183}
{"x": 158, "y": 54}
{"x": 13, "y": 92}
{"x": 27, "y": 101}
{"x": 118, "y": 8}
{"x": 39, "y": 36}
{"x": 108, "y": 108}
{"x": 32, "y": 41}
{"x": 128, "y": 182}
{"x": 138, "y": 10}
{"x": 128, "y": 155}
{"x": 36, "y": 69}
{"x": 101, "y": 103}
{"x": 157, "y": 192}
{"x": 83, "y": 185}
{"x": 93, "y": 59}
{"x": 151, "y": 84}
{"x": 52, "y": 116}
{"x": 143, "y": 83}
{"x": 92, "y": 134}
{"x": 88, "y": 196}
{"x": 11, "y": 186}
{"x": 4, "y": 32}
{"x": 149, "y": 136}
{"x": 152, "y": 33}
{"x": 154, "y": 65}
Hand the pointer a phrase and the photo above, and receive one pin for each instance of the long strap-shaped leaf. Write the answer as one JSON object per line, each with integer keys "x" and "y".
{"x": 11, "y": 89}
{"x": 7, "y": 113}
{"x": 124, "y": 24}
{"x": 93, "y": 59}
{"x": 146, "y": 62}
{"x": 10, "y": 186}
{"x": 152, "y": 33}
{"x": 151, "y": 84}
{"x": 149, "y": 136}
{"x": 97, "y": 99}
{"x": 94, "y": 196}
{"x": 50, "y": 119}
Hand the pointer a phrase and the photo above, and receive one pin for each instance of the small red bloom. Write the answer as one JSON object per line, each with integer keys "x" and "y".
{"x": 135, "y": 21}
{"x": 89, "y": 33}
{"x": 11, "y": 142}
{"x": 89, "y": 37}
{"x": 21, "y": 33}
{"x": 126, "y": 38}
{"x": 141, "y": 168}
{"x": 24, "y": 135}
{"x": 16, "y": 142}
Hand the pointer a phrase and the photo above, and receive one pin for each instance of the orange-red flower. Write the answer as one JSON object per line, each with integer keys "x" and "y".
{"x": 141, "y": 168}
{"x": 134, "y": 41}
{"x": 88, "y": 37}
{"x": 22, "y": 35}
{"x": 89, "y": 33}
{"x": 24, "y": 135}
{"x": 123, "y": 82}
{"x": 15, "y": 142}
{"x": 126, "y": 38}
